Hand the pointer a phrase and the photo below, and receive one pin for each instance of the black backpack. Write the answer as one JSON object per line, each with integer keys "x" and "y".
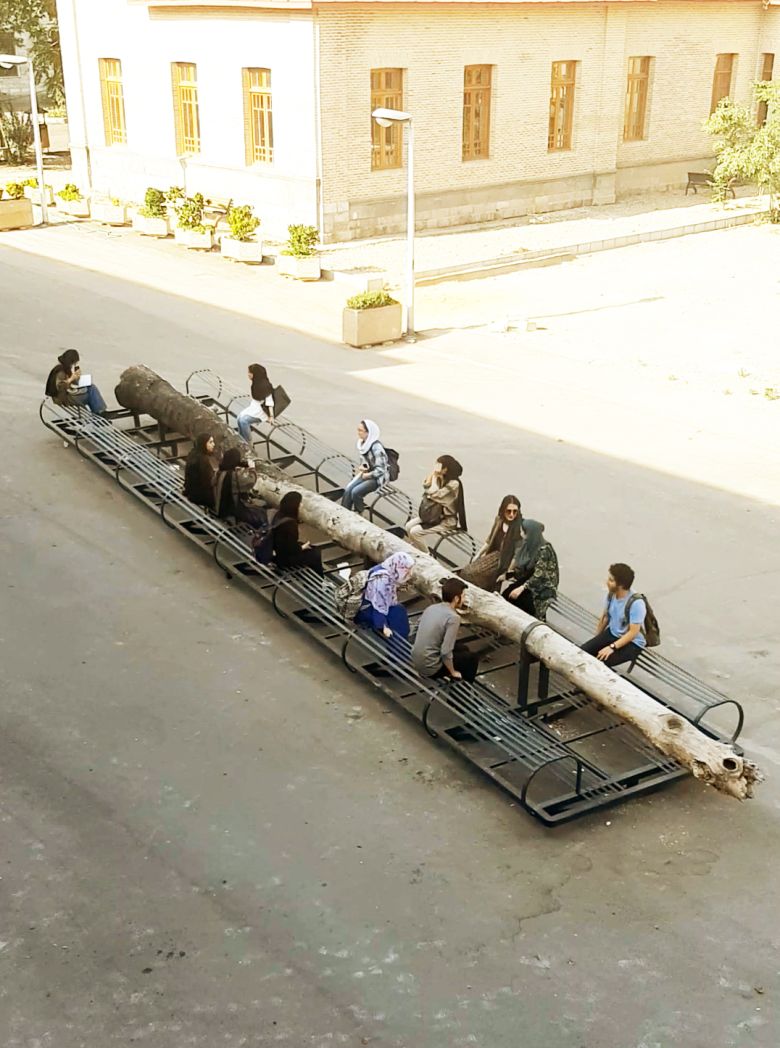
{"x": 393, "y": 469}
{"x": 650, "y": 628}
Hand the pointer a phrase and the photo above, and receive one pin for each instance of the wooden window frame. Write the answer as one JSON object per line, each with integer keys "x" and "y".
{"x": 477, "y": 100}
{"x": 767, "y": 73}
{"x": 722, "y": 79}
{"x": 637, "y": 93}
{"x": 387, "y": 143}
{"x": 112, "y": 94}
{"x": 563, "y": 85}
{"x": 186, "y": 109}
{"x": 258, "y": 116}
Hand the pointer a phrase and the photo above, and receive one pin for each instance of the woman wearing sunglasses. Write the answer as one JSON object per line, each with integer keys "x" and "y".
{"x": 491, "y": 563}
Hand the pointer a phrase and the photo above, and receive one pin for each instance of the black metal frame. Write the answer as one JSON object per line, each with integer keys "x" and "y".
{"x": 515, "y": 745}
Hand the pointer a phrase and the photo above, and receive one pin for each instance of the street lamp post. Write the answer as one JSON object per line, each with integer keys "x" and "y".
{"x": 6, "y": 61}
{"x": 385, "y": 118}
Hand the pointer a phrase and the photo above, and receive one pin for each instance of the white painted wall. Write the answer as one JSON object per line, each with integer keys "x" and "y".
{"x": 282, "y": 192}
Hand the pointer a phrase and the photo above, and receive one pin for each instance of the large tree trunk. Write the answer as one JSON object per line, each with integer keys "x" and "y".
{"x": 144, "y": 392}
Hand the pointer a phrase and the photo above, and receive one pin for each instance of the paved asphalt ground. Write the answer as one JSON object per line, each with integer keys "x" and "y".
{"x": 211, "y": 835}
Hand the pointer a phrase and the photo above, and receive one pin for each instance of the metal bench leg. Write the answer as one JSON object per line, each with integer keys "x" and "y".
{"x": 275, "y": 602}
{"x": 426, "y": 713}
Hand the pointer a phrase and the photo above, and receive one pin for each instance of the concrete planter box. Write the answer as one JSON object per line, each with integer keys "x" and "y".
{"x": 15, "y": 214}
{"x": 369, "y": 327}
{"x": 77, "y": 208}
{"x": 34, "y": 195}
{"x": 301, "y": 267}
{"x": 110, "y": 214}
{"x": 151, "y": 227}
{"x": 242, "y": 250}
{"x": 195, "y": 241}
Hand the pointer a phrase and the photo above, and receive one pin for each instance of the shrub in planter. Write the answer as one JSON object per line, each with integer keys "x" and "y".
{"x": 33, "y": 192}
{"x": 152, "y": 219}
{"x": 15, "y": 190}
{"x": 190, "y": 228}
{"x": 72, "y": 202}
{"x": 110, "y": 212}
{"x": 300, "y": 259}
{"x": 242, "y": 245}
{"x": 371, "y": 317}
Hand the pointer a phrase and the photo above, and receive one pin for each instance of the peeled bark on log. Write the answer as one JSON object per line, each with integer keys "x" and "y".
{"x": 142, "y": 391}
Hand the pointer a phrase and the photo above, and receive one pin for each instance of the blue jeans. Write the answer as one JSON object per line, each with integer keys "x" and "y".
{"x": 92, "y": 397}
{"x": 244, "y": 425}
{"x": 356, "y": 491}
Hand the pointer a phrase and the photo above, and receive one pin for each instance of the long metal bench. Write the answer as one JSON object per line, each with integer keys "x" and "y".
{"x": 294, "y": 450}
{"x": 556, "y": 775}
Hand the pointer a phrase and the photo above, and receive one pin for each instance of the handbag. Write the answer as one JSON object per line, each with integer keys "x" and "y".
{"x": 281, "y": 401}
{"x": 430, "y": 513}
{"x": 482, "y": 572}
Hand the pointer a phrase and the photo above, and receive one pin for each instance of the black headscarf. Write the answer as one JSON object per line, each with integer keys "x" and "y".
{"x": 67, "y": 359}
{"x": 199, "y": 473}
{"x": 231, "y": 459}
{"x": 289, "y": 507}
{"x": 261, "y": 386}
{"x": 506, "y": 541}
{"x": 527, "y": 551}
{"x": 454, "y": 470}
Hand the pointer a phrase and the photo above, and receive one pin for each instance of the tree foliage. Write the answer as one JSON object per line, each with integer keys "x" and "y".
{"x": 37, "y": 19}
{"x": 748, "y": 150}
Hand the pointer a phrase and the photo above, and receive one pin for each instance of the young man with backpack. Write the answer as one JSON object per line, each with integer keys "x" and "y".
{"x": 627, "y": 623}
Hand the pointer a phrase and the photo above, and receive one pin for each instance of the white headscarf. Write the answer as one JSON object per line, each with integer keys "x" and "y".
{"x": 373, "y": 435}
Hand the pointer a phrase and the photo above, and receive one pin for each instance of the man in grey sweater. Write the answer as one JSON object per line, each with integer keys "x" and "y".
{"x": 434, "y": 653}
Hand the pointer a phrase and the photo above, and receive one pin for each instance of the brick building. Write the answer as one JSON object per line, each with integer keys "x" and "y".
{"x": 518, "y": 106}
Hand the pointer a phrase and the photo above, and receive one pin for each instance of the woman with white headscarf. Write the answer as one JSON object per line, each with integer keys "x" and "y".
{"x": 380, "y": 609}
{"x": 373, "y": 471}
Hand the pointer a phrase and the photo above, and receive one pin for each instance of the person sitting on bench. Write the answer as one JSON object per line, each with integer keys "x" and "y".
{"x": 380, "y": 609}
{"x": 199, "y": 472}
{"x": 69, "y": 388}
{"x": 443, "y": 507}
{"x": 619, "y": 638}
{"x": 436, "y": 653}
{"x": 532, "y": 577}
{"x": 261, "y": 406}
{"x": 289, "y": 551}
{"x": 374, "y": 469}
{"x": 233, "y": 485}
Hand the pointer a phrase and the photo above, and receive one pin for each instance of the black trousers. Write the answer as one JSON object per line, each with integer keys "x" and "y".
{"x": 464, "y": 662}
{"x": 625, "y": 653}
{"x": 304, "y": 558}
{"x": 525, "y": 602}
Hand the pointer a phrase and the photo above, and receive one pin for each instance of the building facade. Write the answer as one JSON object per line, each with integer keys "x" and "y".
{"x": 518, "y": 107}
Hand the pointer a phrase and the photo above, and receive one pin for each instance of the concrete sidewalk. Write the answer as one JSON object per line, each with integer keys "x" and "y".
{"x": 584, "y": 230}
